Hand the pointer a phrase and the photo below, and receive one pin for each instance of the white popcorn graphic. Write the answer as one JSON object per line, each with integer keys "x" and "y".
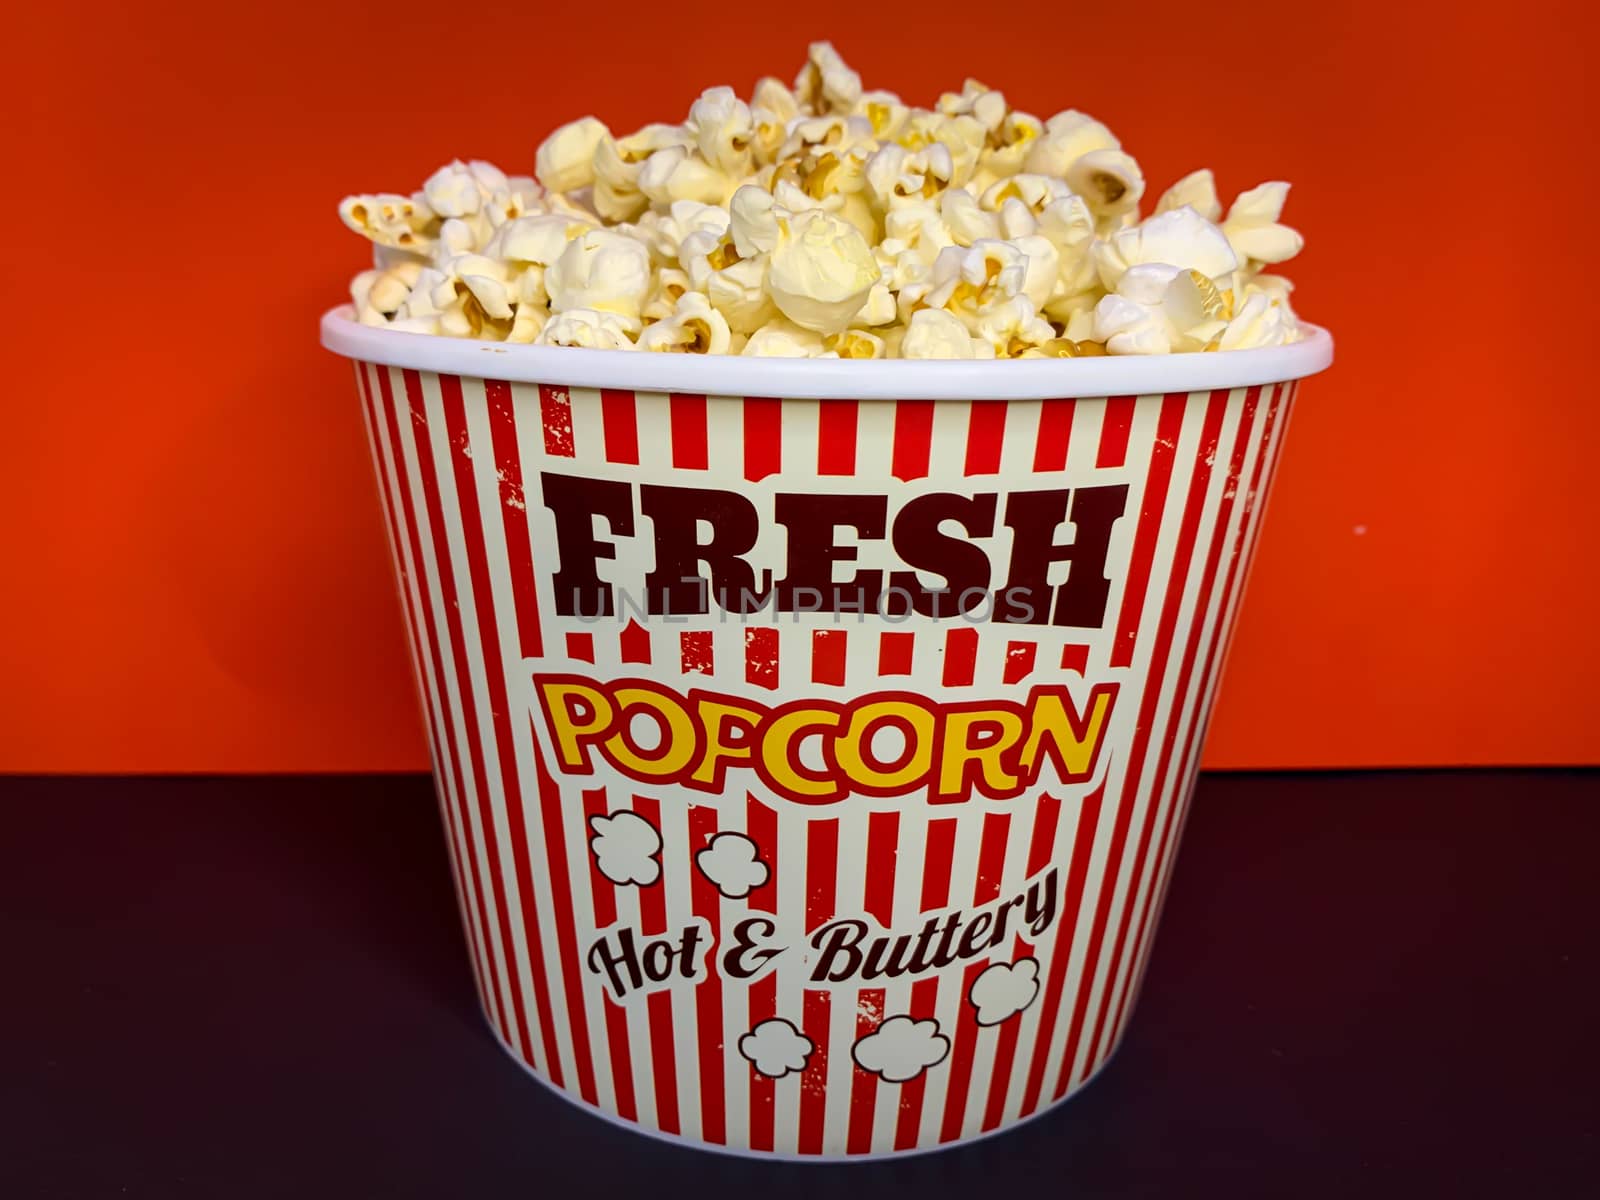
{"x": 625, "y": 846}
{"x": 1004, "y": 990}
{"x": 775, "y": 1047}
{"x": 901, "y": 1048}
{"x": 733, "y": 863}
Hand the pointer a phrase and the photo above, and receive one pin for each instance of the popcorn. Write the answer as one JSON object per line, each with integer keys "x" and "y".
{"x": 935, "y": 333}
{"x": 1181, "y": 238}
{"x": 693, "y": 327}
{"x": 967, "y": 281}
{"x": 884, "y": 113}
{"x": 821, "y": 271}
{"x": 1109, "y": 182}
{"x": 1253, "y": 231}
{"x": 588, "y": 328}
{"x": 1196, "y": 190}
{"x": 1159, "y": 308}
{"x": 600, "y": 270}
{"x": 564, "y": 161}
{"x": 825, "y": 84}
{"x": 853, "y": 343}
{"x": 1261, "y": 321}
{"x": 389, "y": 220}
{"x": 676, "y": 174}
{"x": 1067, "y": 137}
{"x": 1014, "y": 327}
{"x": 662, "y": 298}
{"x": 774, "y": 97}
{"x": 461, "y": 189}
{"x": 618, "y": 164}
{"x": 898, "y": 176}
{"x": 723, "y": 129}
{"x": 826, "y": 221}
{"x": 967, "y": 221}
{"x": 783, "y": 339}
{"x": 381, "y": 294}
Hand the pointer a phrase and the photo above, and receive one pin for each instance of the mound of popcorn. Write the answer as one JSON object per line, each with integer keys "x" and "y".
{"x": 825, "y": 221}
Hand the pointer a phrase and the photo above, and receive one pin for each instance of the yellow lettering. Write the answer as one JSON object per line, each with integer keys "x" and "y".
{"x": 715, "y": 717}
{"x": 562, "y": 701}
{"x": 677, "y": 733}
{"x": 1051, "y": 716}
{"x": 852, "y": 755}
{"x": 958, "y": 751}
{"x": 782, "y": 767}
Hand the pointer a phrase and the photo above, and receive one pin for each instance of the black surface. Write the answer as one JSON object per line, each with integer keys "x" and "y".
{"x": 1367, "y": 984}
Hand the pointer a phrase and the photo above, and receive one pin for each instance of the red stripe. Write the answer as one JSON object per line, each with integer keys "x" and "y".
{"x": 960, "y": 656}
{"x": 763, "y": 438}
{"x": 1055, "y": 435}
{"x": 424, "y": 652}
{"x": 913, "y": 438}
{"x": 991, "y": 866}
{"x": 513, "y": 507}
{"x": 936, "y": 861}
{"x": 827, "y": 656}
{"x": 836, "y": 437}
{"x": 1191, "y": 715}
{"x": 1061, "y": 952}
{"x": 688, "y": 417}
{"x": 658, "y": 1005}
{"x": 469, "y": 708}
{"x": 1183, "y": 567}
{"x": 822, "y": 864}
{"x": 694, "y": 651}
{"x": 619, "y": 423}
{"x": 605, "y": 913}
{"x": 761, "y": 825}
{"x": 894, "y": 653}
{"x": 500, "y": 402}
{"x": 761, "y": 656}
{"x": 1144, "y": 547}
{"x": 986, "y": 431}
{"x": 1019, "y": 660}
{"x": 525, "y": 620}
{"x": 707, "y": 903}
{"x": 1047, "y": 815}
{"x": 1115, "y": 425}
{"x": 1222, "y": 633}
{"x": 883, "y": 837}
{"x": 633, "y": 643}
{"x": 555, "y": 417}
{"x": 581, "y": 646}
{"x": 1075, "y": 658}
{"x": 1176, "y": 577}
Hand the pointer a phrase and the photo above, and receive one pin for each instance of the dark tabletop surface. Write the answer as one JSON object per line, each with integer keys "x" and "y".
{"x": 1365, "y": 985}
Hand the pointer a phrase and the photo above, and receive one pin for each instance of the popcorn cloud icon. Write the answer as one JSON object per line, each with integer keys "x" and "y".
{"x": 775, "y": 1047}
{"x": 733, "y": 863}
{"x": 1004, "y": 990}
{"x": 901, "y": 1048}
{"x": 625, "y": 847}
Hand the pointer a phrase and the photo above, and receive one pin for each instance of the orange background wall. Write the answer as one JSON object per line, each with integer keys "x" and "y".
{"x": 194, "y": 563}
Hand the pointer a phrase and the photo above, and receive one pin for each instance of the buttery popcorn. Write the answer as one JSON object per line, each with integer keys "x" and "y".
{"x": 826, "y": 221}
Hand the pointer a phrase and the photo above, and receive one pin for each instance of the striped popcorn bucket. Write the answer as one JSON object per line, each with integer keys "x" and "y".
{"x": 813, "y": 739}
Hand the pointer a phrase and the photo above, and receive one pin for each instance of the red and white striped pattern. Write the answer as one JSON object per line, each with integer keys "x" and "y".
{"x": 456, "y": 462}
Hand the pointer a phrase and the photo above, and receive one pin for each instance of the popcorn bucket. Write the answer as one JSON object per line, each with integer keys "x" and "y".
{"x": 813, "y": 738}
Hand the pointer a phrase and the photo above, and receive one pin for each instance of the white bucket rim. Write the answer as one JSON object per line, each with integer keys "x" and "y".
{"x": 828, "y": 379}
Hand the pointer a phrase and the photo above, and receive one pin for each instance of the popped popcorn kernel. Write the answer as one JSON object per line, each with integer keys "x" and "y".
{"x": 588, "y": 328}
{"x": 821, "y": 271}
{"x": 693, "y": 327}
{"x": 825, "y": 220}
{"x": 564, "y": 161}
